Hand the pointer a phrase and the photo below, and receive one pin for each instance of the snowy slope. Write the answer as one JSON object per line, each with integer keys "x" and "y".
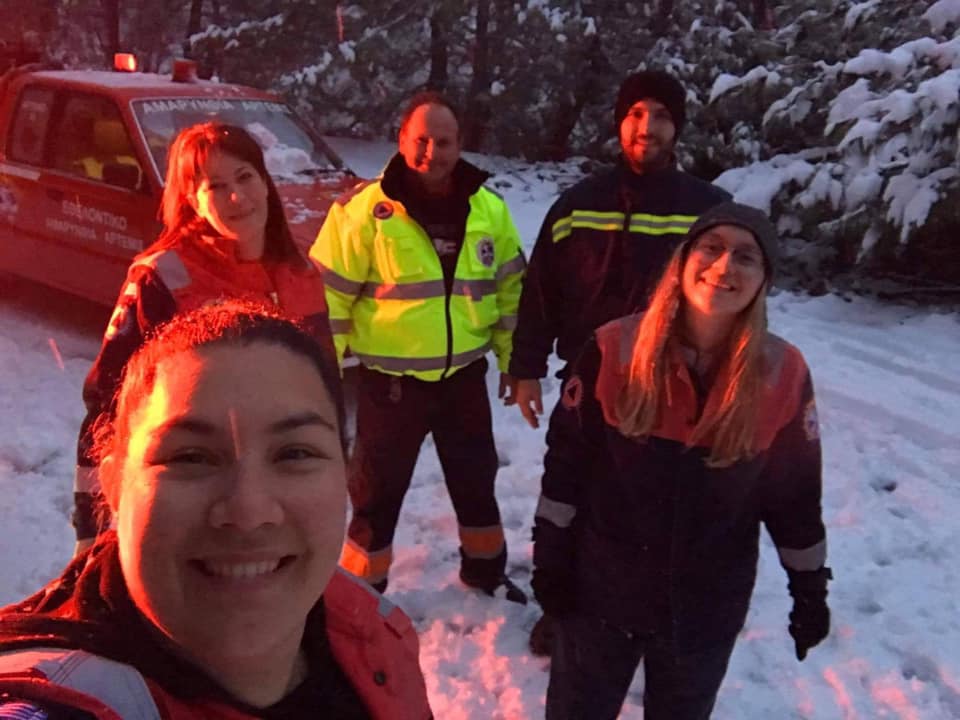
{"x": 890, "y": 414}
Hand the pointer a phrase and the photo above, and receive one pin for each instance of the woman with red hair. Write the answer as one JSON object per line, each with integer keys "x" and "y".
{"x": 225, "y": 236}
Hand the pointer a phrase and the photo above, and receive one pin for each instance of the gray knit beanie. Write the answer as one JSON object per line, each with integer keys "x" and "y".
{"x": 748, "y": 218}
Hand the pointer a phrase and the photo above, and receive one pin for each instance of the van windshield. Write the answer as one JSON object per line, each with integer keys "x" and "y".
{"x": 290, "y": 151}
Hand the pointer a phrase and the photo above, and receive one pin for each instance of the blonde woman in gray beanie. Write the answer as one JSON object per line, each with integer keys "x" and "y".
{"x": 604, "y": 243}
{"x": 680, "y": 431}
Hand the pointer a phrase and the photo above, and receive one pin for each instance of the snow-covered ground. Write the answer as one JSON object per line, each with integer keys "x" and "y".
{"x": 890, "y": 414}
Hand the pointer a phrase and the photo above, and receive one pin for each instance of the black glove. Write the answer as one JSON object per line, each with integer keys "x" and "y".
{"x": 553, "y": 590}
{"x": 553, "y": 580}
{"x": 810, "y": 617}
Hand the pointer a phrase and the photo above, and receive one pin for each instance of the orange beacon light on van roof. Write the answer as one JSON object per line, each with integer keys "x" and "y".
{"x": 125, "y": 62}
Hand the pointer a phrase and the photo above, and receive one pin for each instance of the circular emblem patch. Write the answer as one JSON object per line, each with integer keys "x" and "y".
{"x": 572, "y": 393}
{"x": 382, "y": 210}
{"x": 485, "y": 251}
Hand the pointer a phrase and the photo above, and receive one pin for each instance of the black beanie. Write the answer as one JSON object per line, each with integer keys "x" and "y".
{"x": 653, "y": 85}
{"x": 749, "y": 218}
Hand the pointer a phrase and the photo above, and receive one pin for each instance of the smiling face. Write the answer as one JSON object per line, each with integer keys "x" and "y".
{"x": 647, "y": 136}
{"x": 430, "y": 145}
{"x": 231, "y": 504}
{"x": 232, "y": 197}
{"x": 723, "y": 273}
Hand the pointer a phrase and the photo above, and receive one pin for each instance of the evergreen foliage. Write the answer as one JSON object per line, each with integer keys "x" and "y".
{"x": 849, "y": 109}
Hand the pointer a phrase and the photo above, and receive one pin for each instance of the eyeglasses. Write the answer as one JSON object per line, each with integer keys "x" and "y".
{"x": 712, "y": 248}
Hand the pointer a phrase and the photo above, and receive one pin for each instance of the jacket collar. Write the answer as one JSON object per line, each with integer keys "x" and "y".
{"x": 88, "y": 608}
{"x": 396, "y": 179}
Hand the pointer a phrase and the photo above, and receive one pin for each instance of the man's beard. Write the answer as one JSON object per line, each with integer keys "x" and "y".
{"x": 657, "y": 157}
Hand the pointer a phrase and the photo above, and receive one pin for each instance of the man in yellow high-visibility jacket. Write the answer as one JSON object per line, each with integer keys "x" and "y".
{"x": 423, "y": 268}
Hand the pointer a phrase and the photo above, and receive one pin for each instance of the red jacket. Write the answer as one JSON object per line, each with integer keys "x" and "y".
{"x": 162, "y": 284}
{"x": 75, "y": 644}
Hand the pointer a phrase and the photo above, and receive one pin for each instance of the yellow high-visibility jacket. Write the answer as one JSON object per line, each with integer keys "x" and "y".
{"x": 386, "y": 292}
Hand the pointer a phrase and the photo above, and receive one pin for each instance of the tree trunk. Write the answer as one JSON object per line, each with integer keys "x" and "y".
{"x": 193, "y": 25}
{"x": 592, "y": 69}
{"x": 478, "y": 99}
{"x": 111, "y": 14}
{"x": 438, "y": 52}
{"x": 763, "y": 15}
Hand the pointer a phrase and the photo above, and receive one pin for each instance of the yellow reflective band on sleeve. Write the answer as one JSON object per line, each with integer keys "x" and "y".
{"x": 661, "y": 224}
{"x": 561, "y": 228}
{"x": 643, "y": 223}
{"x": 506, "y": 322}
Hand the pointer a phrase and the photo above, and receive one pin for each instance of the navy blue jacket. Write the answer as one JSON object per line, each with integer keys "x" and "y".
{"x": 654, "y": 539}
{"x": 601, "y": 248}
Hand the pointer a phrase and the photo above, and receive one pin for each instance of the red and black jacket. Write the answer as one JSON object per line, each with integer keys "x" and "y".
{"x": 159, "y": 285}
{"x": 654, "y": 539}
{"x": 600, "y": 250}
{"x": 362, "y": 655}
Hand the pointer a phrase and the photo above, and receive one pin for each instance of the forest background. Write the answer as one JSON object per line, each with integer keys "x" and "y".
{"x": 851, "y": 108}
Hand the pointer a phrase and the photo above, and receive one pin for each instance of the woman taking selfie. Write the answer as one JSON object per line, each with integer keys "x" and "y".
{"x": 218, "y": 594}
{"x": 682, "y": 430}
{"x": 225, "y": 236}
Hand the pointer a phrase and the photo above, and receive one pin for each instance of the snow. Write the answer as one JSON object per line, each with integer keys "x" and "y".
{"x": 726, "y": 82}
{"x": 758, "y": 183}
{"x": 912, "y": 197}
{"x": 859, "y": 11}
{"x": 941, "y": 13}
{"x": 890, "y": 413}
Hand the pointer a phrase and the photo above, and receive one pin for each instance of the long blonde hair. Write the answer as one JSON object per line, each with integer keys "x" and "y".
{"x": 731, "y": 425}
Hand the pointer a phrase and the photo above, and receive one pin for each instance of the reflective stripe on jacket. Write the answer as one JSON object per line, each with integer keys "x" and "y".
{"x": 386, "y": 293}
{"x": 600, "y": 250}
{"x": 372, "y": 641}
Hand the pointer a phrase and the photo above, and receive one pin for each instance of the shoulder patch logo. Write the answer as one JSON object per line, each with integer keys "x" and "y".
{"x": 383, "y": 210}
{"x": 485, "y": 252}
{"x": 572, "y": 393}
{"x": 811, "y": 425}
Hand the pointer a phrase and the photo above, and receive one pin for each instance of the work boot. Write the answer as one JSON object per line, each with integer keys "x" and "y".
{"x": 502, "y": 587}
{"x": 542, "y": 636}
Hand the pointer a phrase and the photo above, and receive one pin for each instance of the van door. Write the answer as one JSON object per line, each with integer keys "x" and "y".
{"x": 20, "y": 169}
{"x": 90, "y": 209}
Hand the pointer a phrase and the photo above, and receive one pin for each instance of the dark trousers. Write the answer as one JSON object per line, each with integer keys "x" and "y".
{"x": 593, "y": 664}
{"x": 394, "y": 415}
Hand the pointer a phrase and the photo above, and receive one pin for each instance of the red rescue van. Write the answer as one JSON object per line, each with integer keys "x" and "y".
{"x": 83, "y": 156}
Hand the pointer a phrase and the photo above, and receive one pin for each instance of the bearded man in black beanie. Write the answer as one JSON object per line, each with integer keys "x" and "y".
{"x": 601, "y": 248}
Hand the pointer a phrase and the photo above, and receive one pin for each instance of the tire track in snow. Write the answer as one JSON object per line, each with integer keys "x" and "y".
{"x": 933, "y": 380}
{"x": 919, "y": 433}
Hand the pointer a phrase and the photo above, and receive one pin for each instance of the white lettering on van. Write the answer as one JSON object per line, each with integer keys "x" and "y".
{"x": 68, "y": 228}
{"x": 86, "y": 213}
